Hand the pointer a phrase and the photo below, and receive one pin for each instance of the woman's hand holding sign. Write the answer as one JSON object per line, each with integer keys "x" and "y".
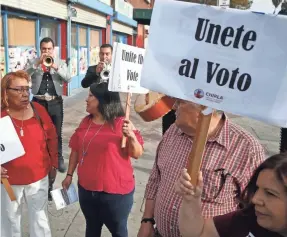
{"x": 4, "y": 173}
{"x": 128, "y": 128}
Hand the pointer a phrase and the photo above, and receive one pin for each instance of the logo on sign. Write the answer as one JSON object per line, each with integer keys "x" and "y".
{"x": 198, "y": 93}
{"x": 214, "y": 97}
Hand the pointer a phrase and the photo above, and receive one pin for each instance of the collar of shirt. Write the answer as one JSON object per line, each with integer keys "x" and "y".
{"x": 221, "y": 136}
{"x": 45, "y": 69}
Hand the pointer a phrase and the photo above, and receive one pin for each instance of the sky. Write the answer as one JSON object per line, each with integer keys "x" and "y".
{"x": 265, "y": 6}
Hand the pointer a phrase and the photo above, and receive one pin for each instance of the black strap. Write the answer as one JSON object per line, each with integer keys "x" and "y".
{"x": 42, "y": 126}
{"x": 151, "y": 220}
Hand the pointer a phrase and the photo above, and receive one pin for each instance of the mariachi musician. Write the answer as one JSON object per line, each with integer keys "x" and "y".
{"x": 94, "y": 73}
{"x": 48, "y": 76}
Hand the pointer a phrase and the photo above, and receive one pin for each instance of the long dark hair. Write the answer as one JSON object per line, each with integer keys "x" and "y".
{"x": 110, "y": 105}
{"x": 277, "y": 163}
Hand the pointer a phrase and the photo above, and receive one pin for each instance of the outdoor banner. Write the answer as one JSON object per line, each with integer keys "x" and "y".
{"x": 125, "y": 74}
{"x": 10, "y": 144}
{"x": 226, "y": 59}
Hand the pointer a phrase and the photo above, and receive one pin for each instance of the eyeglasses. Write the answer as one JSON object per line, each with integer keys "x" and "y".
{"x": 217, "y": 191}
{"x": 21, "y": 90}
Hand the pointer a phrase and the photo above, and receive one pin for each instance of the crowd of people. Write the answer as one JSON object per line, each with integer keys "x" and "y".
{"x": 239, "y": 192}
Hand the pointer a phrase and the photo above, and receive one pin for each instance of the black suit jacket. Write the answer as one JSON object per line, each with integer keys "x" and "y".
{"x": 90, "y": 77}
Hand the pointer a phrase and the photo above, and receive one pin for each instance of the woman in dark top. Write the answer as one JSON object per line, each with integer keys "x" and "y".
{"x": 264, "y": 205}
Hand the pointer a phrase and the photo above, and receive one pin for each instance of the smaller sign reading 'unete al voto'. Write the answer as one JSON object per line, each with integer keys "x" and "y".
{"x": 125, "y": 74}
{"x": 227, "y": 59}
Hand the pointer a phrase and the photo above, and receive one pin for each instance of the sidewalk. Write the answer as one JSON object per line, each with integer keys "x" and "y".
{"x": 70, "y": 221}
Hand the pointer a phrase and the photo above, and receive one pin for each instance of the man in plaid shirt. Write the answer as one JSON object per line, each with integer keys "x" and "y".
{"x": 231, "y": 155}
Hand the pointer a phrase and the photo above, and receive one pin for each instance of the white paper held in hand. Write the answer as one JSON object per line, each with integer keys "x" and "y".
{"x": 63, "y": 198}
{"x": 10, "y": 145}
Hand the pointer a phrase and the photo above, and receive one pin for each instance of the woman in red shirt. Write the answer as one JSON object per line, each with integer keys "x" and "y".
{"x": 264, "y": 202}
{"x": 28, "y": 174}
{"x": 105, "y": 174}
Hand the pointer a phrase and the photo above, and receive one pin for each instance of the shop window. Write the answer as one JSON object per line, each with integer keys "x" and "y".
{"x": 21, "y": 41}
{"x": 94, "y": 47}
{"x": 1, "y": 31}
{"x": 83, "y": 37}
{"x": 120, "y": 38}
{"x": 114, "y": 38}
{"x": 2, "y": 51}
{"x": 74, "y": 51}
{"x": 50, "y": 29}
{"x": 83, "y": 64}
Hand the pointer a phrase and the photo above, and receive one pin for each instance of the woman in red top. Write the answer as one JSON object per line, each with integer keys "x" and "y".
{"x": 264, "y": 202}
{"x": 28, "y": 174}
{"x": 105, "y": 174}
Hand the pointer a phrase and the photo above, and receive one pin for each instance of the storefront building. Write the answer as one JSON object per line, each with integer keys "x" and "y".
{"x": 123, "y": 27}
{"x": 24, "y": 23}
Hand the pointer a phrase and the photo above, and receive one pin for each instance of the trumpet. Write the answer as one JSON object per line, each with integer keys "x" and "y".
{"x": 105, "y": 73}
{"x": 48, "y": 61}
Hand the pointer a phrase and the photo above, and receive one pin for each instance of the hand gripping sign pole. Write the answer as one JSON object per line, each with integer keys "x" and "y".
{"x": 127, "y": 117}
{"x": 196, "y": 154}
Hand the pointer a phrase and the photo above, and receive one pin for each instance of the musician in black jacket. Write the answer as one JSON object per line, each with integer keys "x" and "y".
{"x": 93, "y": 72}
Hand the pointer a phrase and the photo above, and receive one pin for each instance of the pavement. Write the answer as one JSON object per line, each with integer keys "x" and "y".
{"x": 69, "y": 222}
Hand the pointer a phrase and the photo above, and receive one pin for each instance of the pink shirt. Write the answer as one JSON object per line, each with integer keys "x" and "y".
{"x": 106, "y": 166}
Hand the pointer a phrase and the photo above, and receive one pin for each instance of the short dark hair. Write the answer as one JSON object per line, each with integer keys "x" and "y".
{"x": 109, "y": 102}
{"x": 277, "y": 163}
{"x": 107, "y": 46}
{"x": 47, "y": 40}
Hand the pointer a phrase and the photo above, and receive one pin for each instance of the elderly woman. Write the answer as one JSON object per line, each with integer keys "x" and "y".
{"x": 27, "y": 174}
{"x": 264, "y": 203}
{"x": 105, "y": 174}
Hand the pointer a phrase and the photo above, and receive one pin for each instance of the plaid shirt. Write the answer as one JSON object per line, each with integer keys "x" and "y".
{"x": 229, "y": 160}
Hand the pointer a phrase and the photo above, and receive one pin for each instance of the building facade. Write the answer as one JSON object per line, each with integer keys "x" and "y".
{"x": 78, "y": 28}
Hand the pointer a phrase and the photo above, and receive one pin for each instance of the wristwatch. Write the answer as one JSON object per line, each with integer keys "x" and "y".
{"x": 146, "y": 220}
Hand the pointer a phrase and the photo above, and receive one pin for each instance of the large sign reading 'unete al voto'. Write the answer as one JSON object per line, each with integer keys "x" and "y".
{"x": 227, "y": 59}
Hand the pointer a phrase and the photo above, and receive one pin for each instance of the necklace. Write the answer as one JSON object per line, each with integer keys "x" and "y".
{"x": 21, "y": 128}
{"x": 84, "y": 151}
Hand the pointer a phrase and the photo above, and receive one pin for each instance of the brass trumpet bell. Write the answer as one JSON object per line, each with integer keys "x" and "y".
{"x": 48, "y": 61}
{"x": 105, "y": 73}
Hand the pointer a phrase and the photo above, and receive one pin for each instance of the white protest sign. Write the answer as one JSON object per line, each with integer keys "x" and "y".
{"x": 125, "y": 74}
{"x": 224, "y": 3}
{"x": 11, "y": 146}
{"x": 226, "y": 59}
